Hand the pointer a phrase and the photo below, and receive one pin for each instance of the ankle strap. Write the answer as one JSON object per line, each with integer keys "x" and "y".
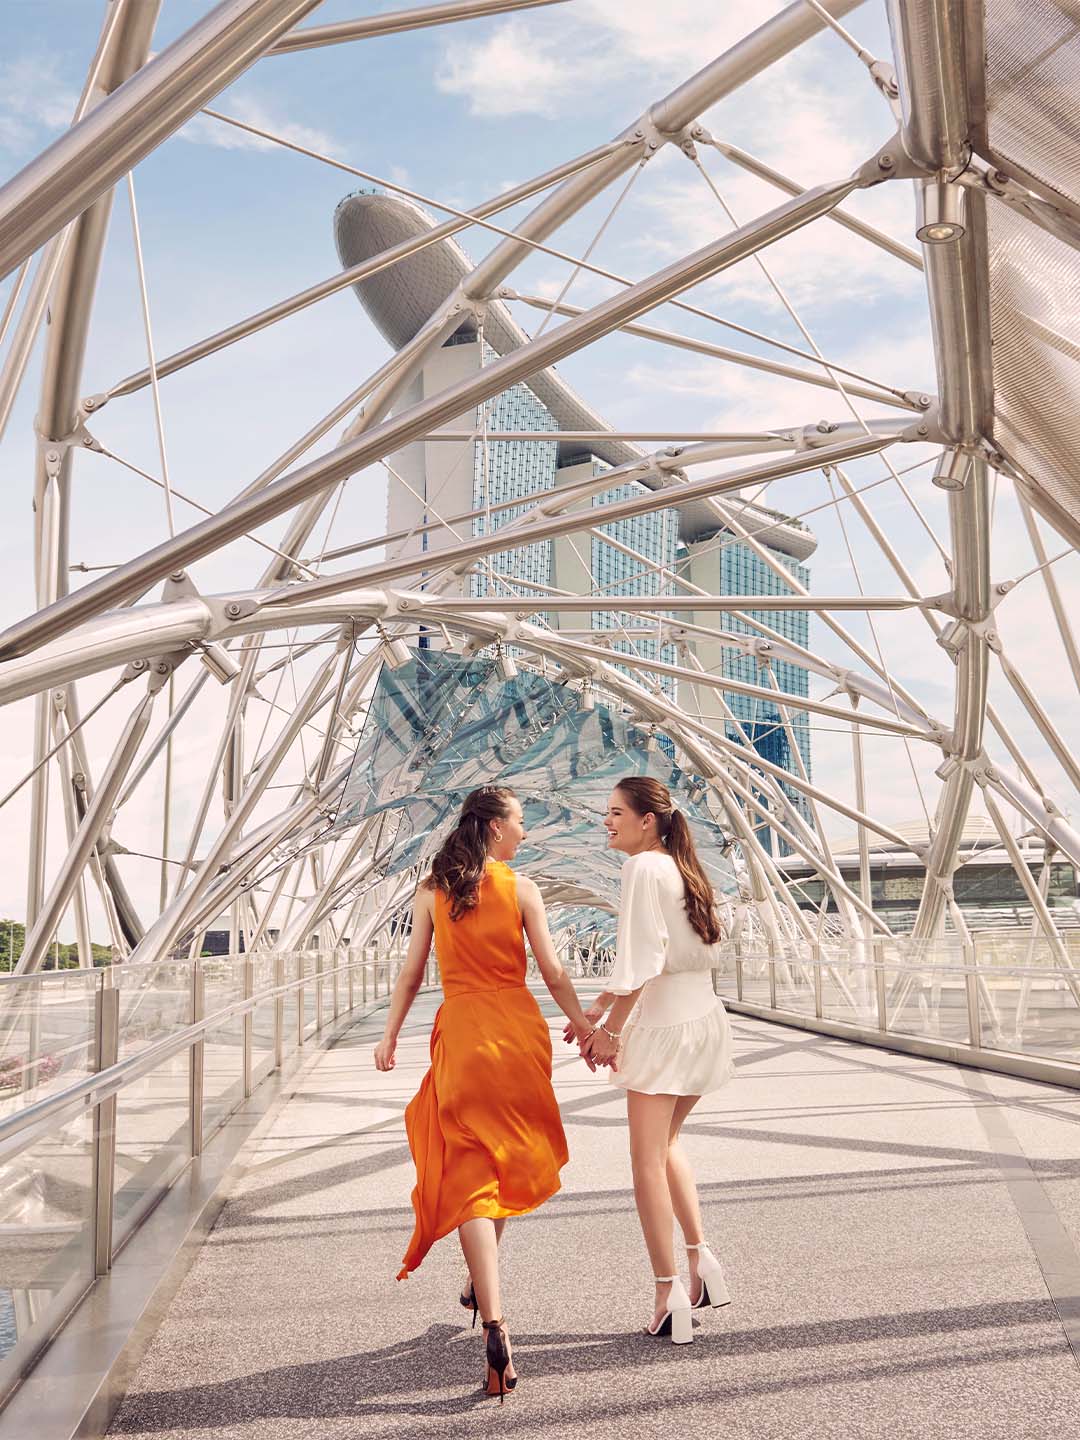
{"x": 702, "y": 1246}
{"x": 663, "y": 1279}
{"x": 491, "y": 1324}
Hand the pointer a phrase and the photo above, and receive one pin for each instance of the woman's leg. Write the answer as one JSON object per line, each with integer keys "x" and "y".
{"x": 500, "y": 1226}
{"x": 480, "y": 1246}
{"x": 650, "y": 1118}
{"x": 684, "y": 1196}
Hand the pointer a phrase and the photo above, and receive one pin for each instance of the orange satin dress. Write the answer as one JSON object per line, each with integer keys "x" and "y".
{"x": 484, "y": 1127}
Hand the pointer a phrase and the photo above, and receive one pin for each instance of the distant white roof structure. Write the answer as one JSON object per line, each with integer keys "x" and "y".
{"x": 400, "y": 299}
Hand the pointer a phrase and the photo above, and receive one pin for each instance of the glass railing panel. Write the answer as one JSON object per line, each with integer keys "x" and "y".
{"x": 1035, "y": 1011}
{"x": 311, "y": 998}
{"x": 755, "y": 970}
{"x": 46, "y": 1239}
{"x": 153, "y": 1120}
{"x": 847, "y": 990}
{"x": 795, "y": 987}
{"x": 47, "y": 1034}
{"x": 293, "y": 1008}
{"x": 223, "y": 1055}
{"x": 928, "y": 1001}
{"x": 262, "y": 1019}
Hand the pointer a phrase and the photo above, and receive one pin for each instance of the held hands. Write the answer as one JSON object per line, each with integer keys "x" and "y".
{"x": 384, "y": 1054}
{"x": 596, "y": 1048}
{"x": 601, "y": 1049}
{"x": 594, "y": 1014}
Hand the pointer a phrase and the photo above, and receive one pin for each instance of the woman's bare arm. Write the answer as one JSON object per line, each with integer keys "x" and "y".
{"x": 558, "y": 982}
{"x": 410, "y": 979}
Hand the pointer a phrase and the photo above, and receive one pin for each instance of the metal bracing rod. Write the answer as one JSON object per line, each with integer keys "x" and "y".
{"x": 1047, "y": 819}
{"x": 65, "y": 281}
{"x": 552, "y": 502}
{"x": 936, "y": 126}
{"x": 1061, "y": 616}
{"x": 859, "y": 767}
{"x": 728, "y": 747}
{"x": 87, "y": 837}
{"x": 756, "y": 51}
{"x": 342, "y": 279}
{"x": 295, "y": 935}
{"x": 664, "y": 121}
{"x": 135, "y": 577}
{"x": 71, "y": 824}
{"x": 180, "y": 914}
{"x": 767, "y": 557}
{"x": 70, "y": 175}
{"x": 1045, "y": 726}
{"x": 765, "y": 172}
{"x": 908, "y": 581}
{"x": 13, "y": 298}
{"x": 635, "y": 603}
{"x": 722, "y": 352}
{"x": 395, "y": 22}
{"x": 553, "y": 525}
{"x": 742, "y": 687}
{"x": 263, "y": 920}
{"x": 122, "y": 48}
{"x": 762, "y": 440}
{"x": 842, "y": 904}
{"x": 161, "y": 739}
{"x": 770, "y": 786}
{"x": 1040, "y": 909}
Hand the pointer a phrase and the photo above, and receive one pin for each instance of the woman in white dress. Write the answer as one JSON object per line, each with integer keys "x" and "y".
{"x": 677, "y": 1047}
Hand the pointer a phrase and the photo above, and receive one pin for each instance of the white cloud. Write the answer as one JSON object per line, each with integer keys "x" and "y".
{"x": 34, "y": 101}
{"x": 204, "y": 130}
{"x": 538, "y": 64}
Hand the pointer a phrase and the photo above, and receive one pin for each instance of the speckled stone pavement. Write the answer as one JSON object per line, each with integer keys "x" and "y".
{"x": 895, "y": 1232}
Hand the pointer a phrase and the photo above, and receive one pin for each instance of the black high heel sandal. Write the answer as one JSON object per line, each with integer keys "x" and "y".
{"x": 498, "y": 1359}
{"x": 469, "y": 1302}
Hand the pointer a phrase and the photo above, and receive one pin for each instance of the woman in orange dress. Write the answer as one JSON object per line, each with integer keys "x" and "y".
{"x": 484, "y": 1128}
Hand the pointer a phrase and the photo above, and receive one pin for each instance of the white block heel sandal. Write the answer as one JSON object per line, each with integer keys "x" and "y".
{"x": 676, "y": 1320}
{"x": 713, "y": 1290}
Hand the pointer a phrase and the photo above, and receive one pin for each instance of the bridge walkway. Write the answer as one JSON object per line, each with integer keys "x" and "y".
{"x": 900, "y": 1236}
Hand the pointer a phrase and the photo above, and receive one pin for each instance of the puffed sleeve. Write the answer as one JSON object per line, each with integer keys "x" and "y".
{"x": 642, "y": 934}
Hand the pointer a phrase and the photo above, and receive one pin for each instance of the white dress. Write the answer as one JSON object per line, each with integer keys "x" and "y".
{"x": 678, "y": 1039}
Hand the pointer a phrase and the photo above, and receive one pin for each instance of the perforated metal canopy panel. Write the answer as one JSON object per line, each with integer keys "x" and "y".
{"x": 1034, "y": 303}
{"x": 1032, "y": 117}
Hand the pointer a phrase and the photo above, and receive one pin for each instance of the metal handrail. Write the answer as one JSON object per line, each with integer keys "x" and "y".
{"x": 96, "y": 1088}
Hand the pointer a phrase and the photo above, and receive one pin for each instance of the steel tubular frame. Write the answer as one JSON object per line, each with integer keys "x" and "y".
{"x": 63, "y": 199}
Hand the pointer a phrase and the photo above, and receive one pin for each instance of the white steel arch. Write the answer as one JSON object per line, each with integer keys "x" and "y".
{"x": 967, "y": 171}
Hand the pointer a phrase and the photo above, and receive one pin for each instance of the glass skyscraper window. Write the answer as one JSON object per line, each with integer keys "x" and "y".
{"x": 508, "y": 470}
{"x": 745, "y": 573}
{"x": 653, "y": 537}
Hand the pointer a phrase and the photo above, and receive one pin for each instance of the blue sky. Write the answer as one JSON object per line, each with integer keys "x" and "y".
{"x": 459, "y": 113}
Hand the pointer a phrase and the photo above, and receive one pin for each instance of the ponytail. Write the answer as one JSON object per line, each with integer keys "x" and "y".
{"x": 458, "y": 868}
{"x": 647, "y": 796}
{"x": 700, "y": 904}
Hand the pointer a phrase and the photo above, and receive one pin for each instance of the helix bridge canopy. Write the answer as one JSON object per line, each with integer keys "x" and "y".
{"x": 444, "y": 724}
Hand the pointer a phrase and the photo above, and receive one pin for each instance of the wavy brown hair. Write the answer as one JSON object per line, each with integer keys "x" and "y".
{"x": 647, "y": 796}
{"x": 458, "y": 868}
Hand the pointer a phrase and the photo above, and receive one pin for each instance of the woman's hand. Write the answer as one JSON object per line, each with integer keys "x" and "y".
{"x": 384, "y": 1054}
{"x": 594, "y": 1014}
{"x": 601, "y": 1049}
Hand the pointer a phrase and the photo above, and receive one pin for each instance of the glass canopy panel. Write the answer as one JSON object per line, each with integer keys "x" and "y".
{"x": 443, "y": 725}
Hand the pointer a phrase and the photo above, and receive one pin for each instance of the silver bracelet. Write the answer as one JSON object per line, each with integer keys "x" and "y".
{"x": 611, "y": 1034}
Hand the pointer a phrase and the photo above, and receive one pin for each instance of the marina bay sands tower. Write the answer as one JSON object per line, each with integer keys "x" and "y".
{"x": 464, "y": 470}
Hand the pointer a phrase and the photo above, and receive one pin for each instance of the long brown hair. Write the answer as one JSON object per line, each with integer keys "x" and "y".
{"x": 458, "y": 868}
{"x": 647, "y": 796}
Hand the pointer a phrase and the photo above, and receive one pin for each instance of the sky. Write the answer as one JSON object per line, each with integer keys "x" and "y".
{"x": 458, "y": 113}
